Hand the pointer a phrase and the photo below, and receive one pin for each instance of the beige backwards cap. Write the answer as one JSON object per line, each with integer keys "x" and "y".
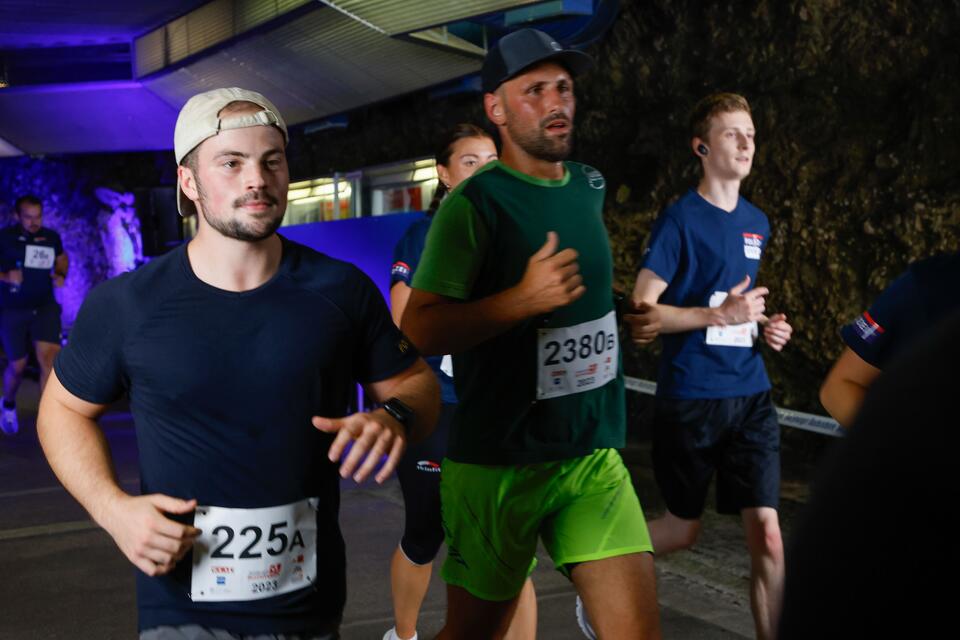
{"x": 200, "y": 119}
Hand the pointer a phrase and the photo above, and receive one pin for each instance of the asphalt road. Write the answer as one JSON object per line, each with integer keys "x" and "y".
{"x": 62, "y": 577}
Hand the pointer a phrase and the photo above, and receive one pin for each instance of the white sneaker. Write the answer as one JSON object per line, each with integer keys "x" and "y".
{"x": 583, "y": 621}
{"x": 392, "y": 635}
{"x": 8, "y": 421}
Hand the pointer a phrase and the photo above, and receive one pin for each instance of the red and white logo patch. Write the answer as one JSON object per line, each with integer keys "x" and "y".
{"x": 867, "y": 328}
{"x": 752, "y": 243}
{"x": 429, "y": 466}
{"x": 400, "y": 270}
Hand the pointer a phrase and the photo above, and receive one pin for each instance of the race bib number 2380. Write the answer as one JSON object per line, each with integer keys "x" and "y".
{"x": 250, "y": 554}
{"x": 578, "y": 358}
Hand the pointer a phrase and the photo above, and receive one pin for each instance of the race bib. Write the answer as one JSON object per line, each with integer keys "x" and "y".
{"x": 578, "y": 358}
{"x": 250, "y": 554}
{"x": 733, "y": 335}
{"x": 38, "y": 257}
{"x": 446, "y": 365}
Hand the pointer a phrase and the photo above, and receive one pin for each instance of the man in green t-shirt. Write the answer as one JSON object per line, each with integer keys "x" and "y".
{"x": 516, "y": 282}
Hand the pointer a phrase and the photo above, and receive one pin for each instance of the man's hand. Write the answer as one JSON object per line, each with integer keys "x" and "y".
{"x": 776, "y": 331}
{"x": 58, "y": 279}
{"x": 739, "y": 307}
{"x": 644, "y": 321}
{"x": 374, "y": 434}
{"x": 150, "y": 540}
{"x": 15, "y": 277}
{"x": 552, "y": 279}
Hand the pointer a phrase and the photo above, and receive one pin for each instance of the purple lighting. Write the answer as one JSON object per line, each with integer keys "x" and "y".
{"x": 86, "y": 118}
{"x": 68, "y": 208}
{"x": 366, "y": 242}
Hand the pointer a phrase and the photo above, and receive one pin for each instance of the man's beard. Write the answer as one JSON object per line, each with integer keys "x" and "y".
{"x": 237, "y": 229}
{"x": 536, "y": 142}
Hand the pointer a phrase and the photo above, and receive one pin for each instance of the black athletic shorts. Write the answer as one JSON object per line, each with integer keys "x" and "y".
{"x": 419, "y": 475}
{"x": 42, "y": 324}
{"x": 738, "y": 438}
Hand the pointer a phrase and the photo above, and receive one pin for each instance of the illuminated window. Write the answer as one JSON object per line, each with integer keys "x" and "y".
{"x": 323, "y": 199}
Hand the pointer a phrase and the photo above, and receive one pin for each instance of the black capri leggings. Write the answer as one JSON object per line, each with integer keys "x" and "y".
{"x": 419, "y": 475}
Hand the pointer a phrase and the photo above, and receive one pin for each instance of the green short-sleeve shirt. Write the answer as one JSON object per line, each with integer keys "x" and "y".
{"x": 478, "y": 245}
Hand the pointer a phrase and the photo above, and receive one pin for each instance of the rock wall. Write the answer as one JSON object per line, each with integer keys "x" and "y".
{"x": 856, "y": 161}
{"x": 66, "y": 186}
{"x": 70, "y": 209}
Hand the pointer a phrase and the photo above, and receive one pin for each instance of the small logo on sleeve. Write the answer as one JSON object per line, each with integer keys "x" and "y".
{"x": 867, "y": 328}
{"x": 428, "y": 466}
{"x": 594, "y": 178}
{"x": 752, "y": 242}
{"x": 400, "y": 270}
{"x": 403, "y": 345}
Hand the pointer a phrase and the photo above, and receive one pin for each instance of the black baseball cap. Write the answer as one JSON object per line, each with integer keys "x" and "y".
{"x": 524, "y": 48}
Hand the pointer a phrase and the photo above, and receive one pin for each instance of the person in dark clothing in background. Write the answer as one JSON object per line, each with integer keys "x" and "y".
{"x": 33, "y": 263}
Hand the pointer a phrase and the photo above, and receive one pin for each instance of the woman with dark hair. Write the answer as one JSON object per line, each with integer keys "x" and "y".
{"x": 463, "y": 150}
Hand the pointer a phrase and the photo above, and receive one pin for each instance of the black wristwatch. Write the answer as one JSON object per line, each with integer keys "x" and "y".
{"x": 400, "y": 412}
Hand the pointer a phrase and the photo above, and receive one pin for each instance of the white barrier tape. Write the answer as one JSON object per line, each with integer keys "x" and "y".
{"x": 810, "y": 422}
{"x": 788, "y": 417}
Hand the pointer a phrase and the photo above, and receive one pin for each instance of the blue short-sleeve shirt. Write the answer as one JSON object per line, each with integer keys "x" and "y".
{"x": 701, "y": 250}
{"x": 34, "y": 254}
{"x": 907, "y": 309}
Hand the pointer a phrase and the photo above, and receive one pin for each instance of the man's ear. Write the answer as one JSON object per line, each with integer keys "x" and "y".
{"x": 700, "y": 148}
{"x": 493, "y": 106}
{"x": 188, "y": 183}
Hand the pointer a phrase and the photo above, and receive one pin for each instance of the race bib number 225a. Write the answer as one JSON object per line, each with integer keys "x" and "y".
{"x": 250, "y": 554}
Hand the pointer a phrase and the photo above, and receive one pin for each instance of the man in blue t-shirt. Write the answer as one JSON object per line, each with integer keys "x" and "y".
{"x": 713, "y": 408}
{"x": 239, "y": 352}
{"x": 32, "y": 262}
{"x": 912, "y": 304}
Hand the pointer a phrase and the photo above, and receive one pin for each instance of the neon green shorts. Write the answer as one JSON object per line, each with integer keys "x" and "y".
{"x": 583, "y": 509}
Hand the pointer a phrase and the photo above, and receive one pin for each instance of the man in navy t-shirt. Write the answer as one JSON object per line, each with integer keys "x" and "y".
{"x": 713, "y": 408}
{"x": 238, "y": 352}
{"x": 32, "y": 262}
{"x": 912, "y": 304}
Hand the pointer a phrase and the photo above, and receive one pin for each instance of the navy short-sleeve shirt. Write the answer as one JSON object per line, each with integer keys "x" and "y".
{"x": 34, "y": 255}
{"x": 222, "y": 388}
{"x": 910, "y": 306}
{"x": 701, "y": 250}
{"x": 406, "y": 258}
